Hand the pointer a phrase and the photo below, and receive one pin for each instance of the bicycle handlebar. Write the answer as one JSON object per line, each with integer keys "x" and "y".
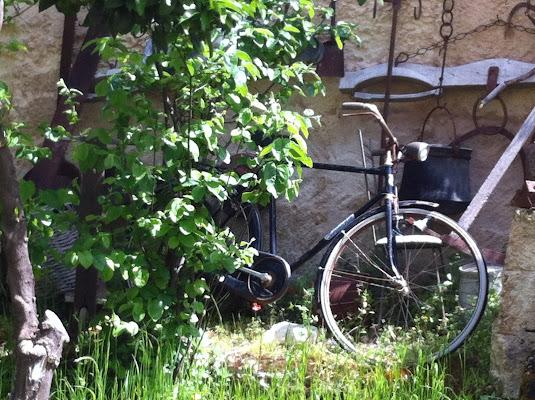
{"x": 369, "y": 109}
{"x": 413, "y": 151}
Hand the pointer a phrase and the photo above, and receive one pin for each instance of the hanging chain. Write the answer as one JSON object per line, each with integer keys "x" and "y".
{"x": 446, "y": 31}
{"x": 404, "y": 57}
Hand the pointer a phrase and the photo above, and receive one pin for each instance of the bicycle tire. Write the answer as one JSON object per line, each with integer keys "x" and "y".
{"x": 244, "y": 221}
{"x": 431, "y": 316}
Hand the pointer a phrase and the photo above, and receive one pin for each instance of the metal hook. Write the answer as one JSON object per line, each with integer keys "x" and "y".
{"x": 418, "y": 10}
{"x": 527, "y": 5}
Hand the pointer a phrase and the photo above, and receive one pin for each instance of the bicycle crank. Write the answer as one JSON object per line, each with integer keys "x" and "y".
{"x": 266, "y": 280}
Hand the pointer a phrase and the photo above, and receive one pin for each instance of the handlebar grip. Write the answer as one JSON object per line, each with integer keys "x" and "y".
{"x": 368, "y": 108}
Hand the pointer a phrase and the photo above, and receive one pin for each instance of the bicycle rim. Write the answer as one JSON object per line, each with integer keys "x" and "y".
{"x": 426, "y": 312}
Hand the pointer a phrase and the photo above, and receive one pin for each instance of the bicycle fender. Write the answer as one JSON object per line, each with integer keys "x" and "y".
{"x": 354, "y": 219}
{"x": 412, "y": 203}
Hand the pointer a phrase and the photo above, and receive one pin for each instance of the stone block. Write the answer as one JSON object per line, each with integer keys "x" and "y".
{"x": 507, "y": 366}
{"x": 289, "y": 332}
{"x": 516, "y": 312}
{"x": 521, "y": 250}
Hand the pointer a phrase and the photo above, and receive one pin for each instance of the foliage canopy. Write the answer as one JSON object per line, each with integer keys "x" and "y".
{"x": 215, "y": 81}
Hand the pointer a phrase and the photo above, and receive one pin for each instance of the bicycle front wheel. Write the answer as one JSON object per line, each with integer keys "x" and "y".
{"x": 425, "y": 309}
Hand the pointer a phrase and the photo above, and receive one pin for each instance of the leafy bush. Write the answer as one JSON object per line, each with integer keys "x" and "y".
{"x": 216, "y": 81}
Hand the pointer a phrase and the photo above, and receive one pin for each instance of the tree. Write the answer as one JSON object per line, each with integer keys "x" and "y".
{"x": 224, "y": 72}
{"x": 38, "y": 347}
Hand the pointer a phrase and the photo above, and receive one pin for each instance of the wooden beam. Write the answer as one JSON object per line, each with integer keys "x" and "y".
{"x": 498, "y": 171}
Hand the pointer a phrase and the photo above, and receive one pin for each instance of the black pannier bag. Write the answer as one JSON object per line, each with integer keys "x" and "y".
{"x": 443, "y": 178}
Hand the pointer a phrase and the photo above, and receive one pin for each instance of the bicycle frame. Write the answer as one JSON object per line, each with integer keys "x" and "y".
{"x": 388, "y": 194}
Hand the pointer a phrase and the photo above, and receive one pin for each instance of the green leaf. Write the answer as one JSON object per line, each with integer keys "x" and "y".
{"x": 99, "y": 261}
{"x": 15, "y": 45}
{"x": 173, "y": 242}
{"x": 198, "y": 193}
{"x": 291, "y": 28}
{"x": 71, "y": 258}
{"x": 187, "y": 226}
{"x": 140, "y": 276}
{"x": 107, "y": 273}
{"x": 138, "y": 311}
{"x": 187, "y": 240}
{"x": 138, "y": 171}
{"x": 198, "y": 307}
{"x": 155, "y": 308}
{"x": 339, "y": 42}
{"x": 27, "y": 190}
{"x": 114, "y": 212}
{"x": 269, "y": 174}
{"x": 101, "y": 89}
{"x": 86, "y": 258}
{"x": 106, "y": 240}
{"x": 140, "y": 6}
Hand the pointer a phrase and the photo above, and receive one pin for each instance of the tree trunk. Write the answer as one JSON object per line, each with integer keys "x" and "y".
{"x": 38, "y": 347}
{"x": 56, "y": 172}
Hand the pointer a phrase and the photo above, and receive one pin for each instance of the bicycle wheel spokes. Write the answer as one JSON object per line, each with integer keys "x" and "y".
{"x": 430, "y": 309}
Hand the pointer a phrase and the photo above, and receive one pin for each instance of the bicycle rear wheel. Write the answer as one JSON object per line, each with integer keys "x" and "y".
{"x": 427, "y": 313}
{"x": 244, "y": 221}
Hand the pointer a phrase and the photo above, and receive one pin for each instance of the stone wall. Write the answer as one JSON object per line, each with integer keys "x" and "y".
{"x": 514, "y": 330}
{"x": 327, "y": 197}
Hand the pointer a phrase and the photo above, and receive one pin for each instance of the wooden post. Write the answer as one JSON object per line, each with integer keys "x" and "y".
{"x": 498, "y": 171}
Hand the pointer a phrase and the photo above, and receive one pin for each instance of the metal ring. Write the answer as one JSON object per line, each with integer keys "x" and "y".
{"x": 443, "y": 30}
{"x": 504, "y": 108}
{"x": 448, "y": 113}
{"x": 448, "y": 7}
{"x": 448, "y": 20}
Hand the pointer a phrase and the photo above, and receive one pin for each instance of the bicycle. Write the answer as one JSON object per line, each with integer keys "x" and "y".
{"x": 392, "y": 274}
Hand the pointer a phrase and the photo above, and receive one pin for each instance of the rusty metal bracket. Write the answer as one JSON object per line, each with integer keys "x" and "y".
{"x": 492, "y": 78}
{"x": 476, "y": 108}
{"x": 525, "y": 197}
{"x": 527, "y": 5}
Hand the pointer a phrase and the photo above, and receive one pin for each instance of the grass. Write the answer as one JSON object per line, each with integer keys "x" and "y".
{"x": 274, "y": 372}
{"x": 231, "y": 361}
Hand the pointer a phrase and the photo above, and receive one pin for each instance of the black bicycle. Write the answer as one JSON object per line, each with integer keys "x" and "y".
{"x": 395, "y": 273}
